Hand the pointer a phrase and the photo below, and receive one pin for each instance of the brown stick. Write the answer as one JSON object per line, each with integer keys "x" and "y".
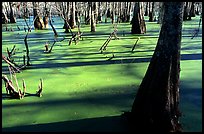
{"x": 8, "y": 62}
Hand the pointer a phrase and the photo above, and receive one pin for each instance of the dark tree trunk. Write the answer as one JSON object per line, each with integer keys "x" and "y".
{"x": 161, "y": 12}
{"x": 93, "y": 21}
{"x": 27, "y": 50}
{"x": 146, "y": 10}
{"x": 185, "y": 14}
{"x": 25, "y": 10}
{"x": 45, "y": 18}
{"x": 12, "y": 18}
{"x": 138, "y": 22}
{"x": 151, "y": 14}
{"x": 192, "y": 10}
{"x": 155, "y": 107}
{"x": 72, "y": 21}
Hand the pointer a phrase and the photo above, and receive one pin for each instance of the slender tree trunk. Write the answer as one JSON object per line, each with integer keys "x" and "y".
{"x": 12, "y": 18}
{"x": 138, "y": 22}
{"x": 99, "y": 12}
{"x": 93, "y": 23}
{"x": 151, "y": 14}
{"x": 192, "y": 10}
{"x": 155, "y": 108}
{"x": 146, "y": 10}
{"x": 72, "y": 21}
{"x": 4, "y": 15}
{"x": 106, "y": 12}
{"x": 45, "y": 18}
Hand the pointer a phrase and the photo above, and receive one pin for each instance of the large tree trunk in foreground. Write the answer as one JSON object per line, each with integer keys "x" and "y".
{"x": 138, "y": 22}
{"x": 155, "y": 107}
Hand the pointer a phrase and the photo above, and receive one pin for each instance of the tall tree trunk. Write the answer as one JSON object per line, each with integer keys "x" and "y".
{"x": 4, "y": 15}
{"x": 138, "y": 22}
{"x": 146, "y": 10}
{"x": 38, "y": 21}
{"x": 151, "y": 14}
{"x": 12, "y": 18}
{"x": 93, "y": 22}
{"x": 192, "y": 10}
{"x": 186, "y": 13}
{"x": 155, "y": 107}
{"x": 99, "y": 12}
{"x": 45, "y": 18}
{"x": 72, "y": 21}
{"x": 161, "y": 12}
{"x": 106, "y": 12}
{"x": 25, "y": 10}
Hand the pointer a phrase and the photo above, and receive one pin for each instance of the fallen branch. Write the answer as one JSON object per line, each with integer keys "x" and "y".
{"x": 8, "y": 62}
{"x": 135, "y": 44}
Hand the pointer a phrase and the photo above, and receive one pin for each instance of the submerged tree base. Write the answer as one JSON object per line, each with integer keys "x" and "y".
{"x": 139, "y": 123}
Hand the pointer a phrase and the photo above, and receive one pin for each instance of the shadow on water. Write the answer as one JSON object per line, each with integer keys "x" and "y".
{"x": 105, "y": 62}
{"x": 100, "y": 124}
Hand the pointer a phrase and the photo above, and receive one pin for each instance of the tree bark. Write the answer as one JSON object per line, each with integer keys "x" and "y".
{"x": 4, "y": 15}
{"x": 72, "y": 21}
{"x": 155, "y": 108}
{"x": 93, "y": 22}
{"x": 138, "y": 22}
{"x": 161, "y": 13}
{"x": 45, "y": 18}
{"x": 12, "y": 18}
{"x": 38, "y": 22}
{"x": 151, "y": 14}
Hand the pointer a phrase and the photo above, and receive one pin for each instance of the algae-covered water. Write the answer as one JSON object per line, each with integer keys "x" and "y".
{"x": 82, "y": 89}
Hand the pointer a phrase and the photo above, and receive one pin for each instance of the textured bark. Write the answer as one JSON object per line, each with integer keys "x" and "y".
{"x": 155, "y": 107}
{"x": 38, "y": 21}
{"x": 138, "y": 22}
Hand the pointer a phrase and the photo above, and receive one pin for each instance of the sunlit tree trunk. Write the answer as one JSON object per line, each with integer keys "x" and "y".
{"x": 72, "y": 21}
{"x": 4, "y": 15}
{"x": 138, "y": 22}
{"x": 38, "y": 21}
{"x": 156, "y": 105}
{"x": 99, "y": 12}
